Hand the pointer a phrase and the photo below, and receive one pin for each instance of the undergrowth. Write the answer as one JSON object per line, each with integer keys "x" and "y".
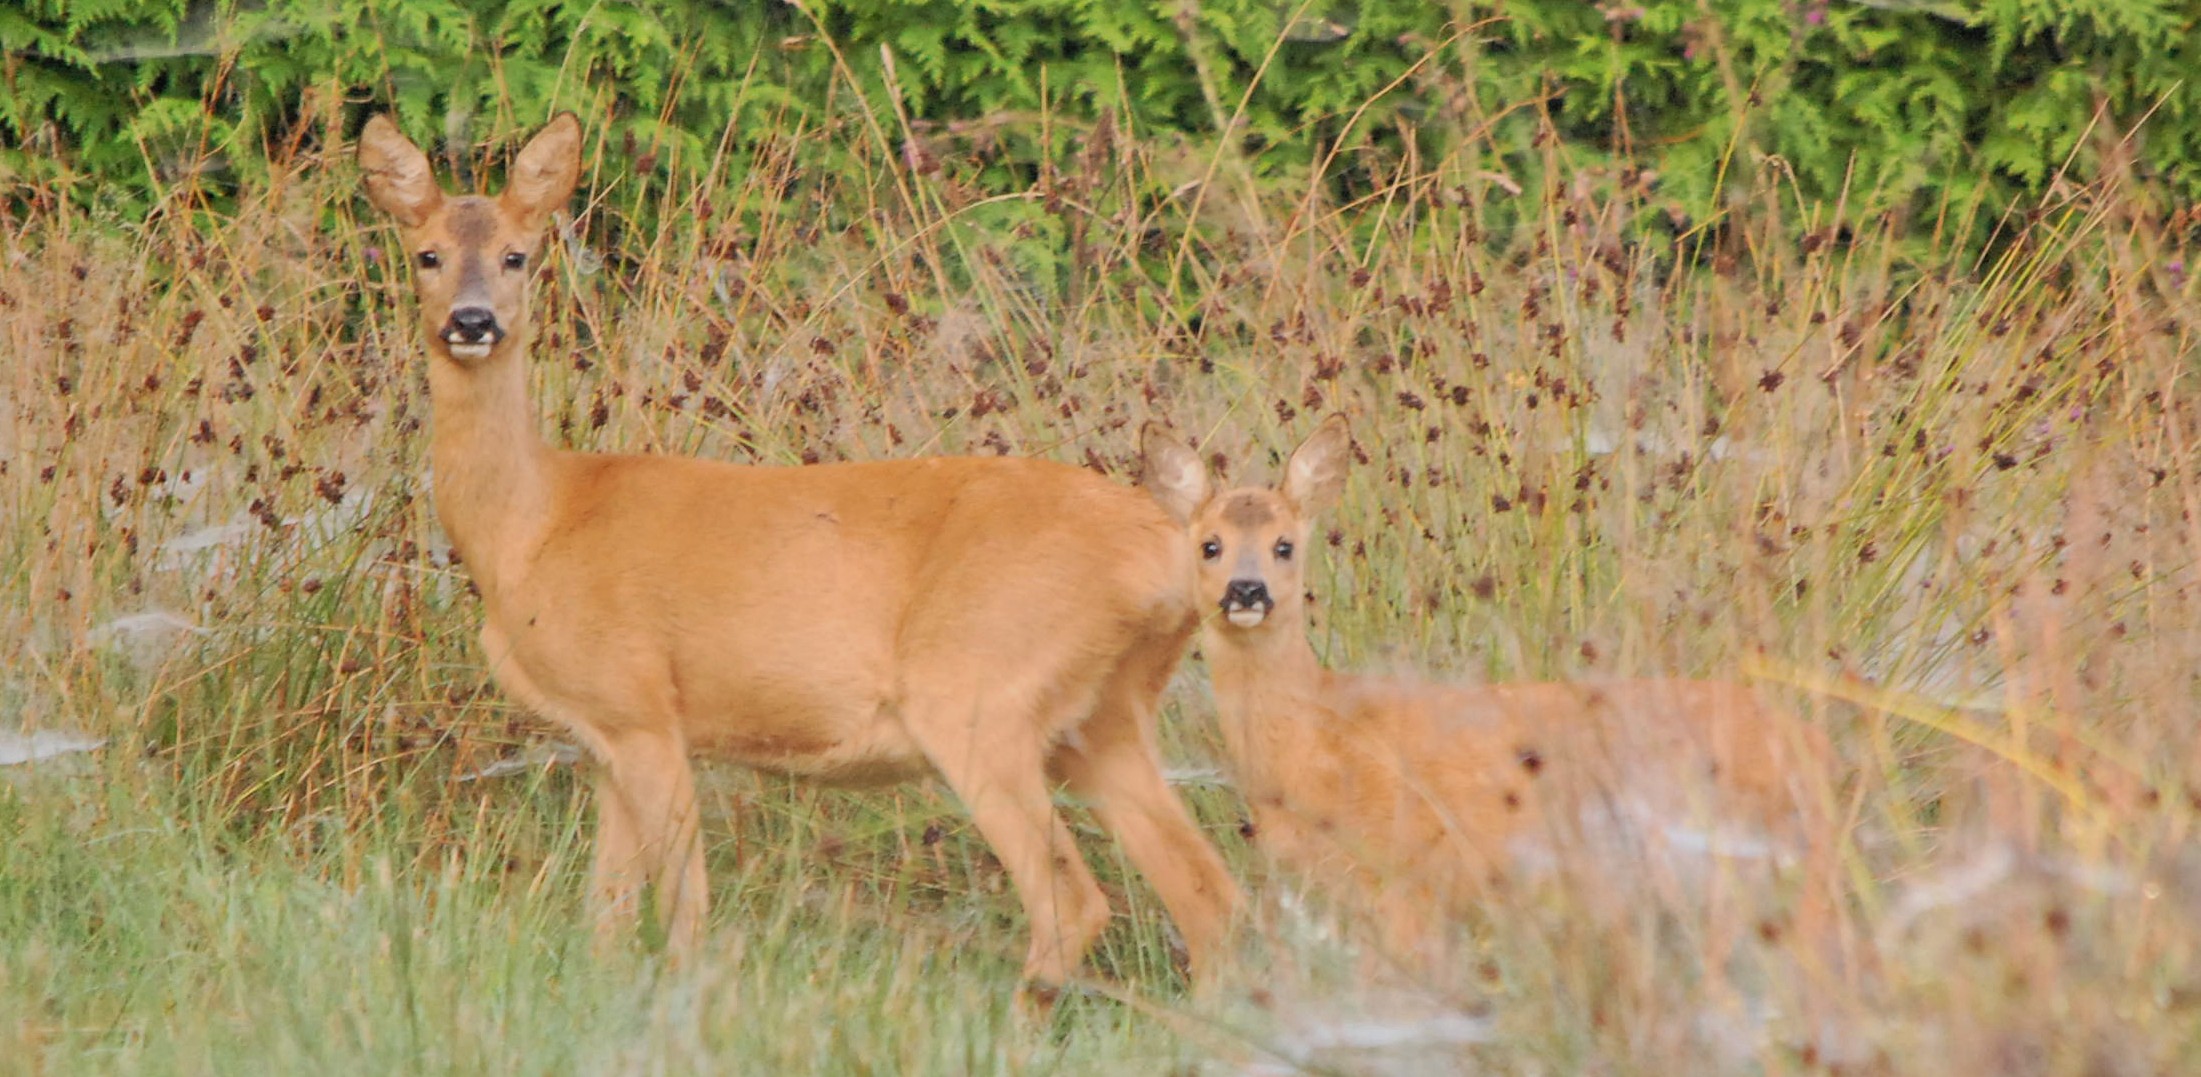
{"x": 1948, "y": 512}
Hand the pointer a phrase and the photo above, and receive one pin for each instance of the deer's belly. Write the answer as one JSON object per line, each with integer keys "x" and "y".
{"x": 750, "y": 702}
{"x": 841, "y": 743}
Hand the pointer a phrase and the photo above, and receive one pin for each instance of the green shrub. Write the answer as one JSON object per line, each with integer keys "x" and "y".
{"x": 1924, "y": 107}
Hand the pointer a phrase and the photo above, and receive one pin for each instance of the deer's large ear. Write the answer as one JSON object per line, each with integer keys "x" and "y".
{"x": 543, "y": 175}
{"x": 399, "y": 179}
{"x": 1171, "y": 472}
{"x": 1315, "y": 476}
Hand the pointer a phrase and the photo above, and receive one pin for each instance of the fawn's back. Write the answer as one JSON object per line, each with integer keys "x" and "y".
{"x": 1473, "y": 785}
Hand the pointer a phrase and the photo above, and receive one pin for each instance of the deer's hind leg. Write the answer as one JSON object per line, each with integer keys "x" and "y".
{"x": 1114, "y": 765}
{"x": 989, "y": 742}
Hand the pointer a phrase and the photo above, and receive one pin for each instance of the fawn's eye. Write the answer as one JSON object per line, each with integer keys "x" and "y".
{"x": 515, "y": 260}
{"x": 428, "y": 259}
{"x": 1283, "y": 549}
{"x": 1210, "y": 550}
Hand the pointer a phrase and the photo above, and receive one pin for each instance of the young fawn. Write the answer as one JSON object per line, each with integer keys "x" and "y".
{"x": 1409, "y": 798}
{"x": 1006, "y": 623}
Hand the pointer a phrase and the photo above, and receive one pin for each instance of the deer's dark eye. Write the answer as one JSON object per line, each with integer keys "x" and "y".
{"x": 515, "y": 260}
{"x": 1283, "y": 549}
{"x": 1210, "y": 550}
{"x": 428, "y": 259}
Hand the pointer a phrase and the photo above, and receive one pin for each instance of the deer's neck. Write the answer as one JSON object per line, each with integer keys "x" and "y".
{"x": 492, "y": 470}
{"x": 1268, "y": 694}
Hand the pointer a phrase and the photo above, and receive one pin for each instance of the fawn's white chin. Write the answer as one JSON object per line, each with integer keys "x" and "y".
{"x": 1248, "y": 617}
{"x": 470, "y": 351}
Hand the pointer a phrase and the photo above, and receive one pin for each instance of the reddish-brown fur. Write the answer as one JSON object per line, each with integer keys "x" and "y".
{"x": 1002, "y": 622}
{"x": 1411, "y": 798}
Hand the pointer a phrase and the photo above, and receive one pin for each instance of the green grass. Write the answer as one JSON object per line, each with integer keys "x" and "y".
{"x": 147, "y": 946}
{"x": 1948, "y": 512}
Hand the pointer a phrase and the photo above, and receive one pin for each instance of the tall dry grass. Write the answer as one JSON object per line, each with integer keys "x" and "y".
{"x": 1947, "y": 509}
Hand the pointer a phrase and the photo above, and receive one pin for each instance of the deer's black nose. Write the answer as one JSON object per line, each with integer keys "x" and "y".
{"x": 474, "y": 324}
{"x": 1246, "y": 595}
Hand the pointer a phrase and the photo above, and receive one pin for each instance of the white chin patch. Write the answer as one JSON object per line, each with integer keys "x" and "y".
{"x": 470, "y": 351}
{"x": 1248, "y": 617}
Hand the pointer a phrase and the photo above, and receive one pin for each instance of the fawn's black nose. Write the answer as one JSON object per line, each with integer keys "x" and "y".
{"x": 1247, "y": 595}
{"x": 473, "y": 325}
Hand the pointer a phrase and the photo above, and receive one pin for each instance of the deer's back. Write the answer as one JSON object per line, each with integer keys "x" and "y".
{"x": 784, "y": 613}
{"x": 1469, "y": 784}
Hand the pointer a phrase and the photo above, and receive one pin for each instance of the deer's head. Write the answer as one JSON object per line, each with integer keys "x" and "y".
{"x": 472, "y": 255}
{"x": 1252, "y": 540}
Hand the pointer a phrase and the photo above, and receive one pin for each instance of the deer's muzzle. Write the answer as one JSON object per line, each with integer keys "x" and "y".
{"x": 472, "y": 332}
{"x": 1246, "y": 603}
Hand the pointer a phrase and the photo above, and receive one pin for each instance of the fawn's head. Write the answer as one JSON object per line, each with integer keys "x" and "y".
{"x": 472, "y": 255}
{"x": 1252, "y": 539}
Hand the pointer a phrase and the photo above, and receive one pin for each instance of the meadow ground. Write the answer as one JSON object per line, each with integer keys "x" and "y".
{"x": 1948, "y": 509}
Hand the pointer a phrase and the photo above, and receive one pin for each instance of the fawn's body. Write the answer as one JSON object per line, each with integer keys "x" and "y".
{"x": 1412, "y": 798}
{"x": 1002, "y": 622}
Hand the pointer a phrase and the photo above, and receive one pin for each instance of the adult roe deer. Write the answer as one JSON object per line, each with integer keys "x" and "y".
{"x": 1411, "y": 798}
{"x": 1003, "y": 621}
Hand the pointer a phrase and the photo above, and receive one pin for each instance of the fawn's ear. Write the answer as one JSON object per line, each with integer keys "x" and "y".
{"x": 1315, "y": 475}
{"x": 1171, "y": 472}
{"x": 543, "y": 175}
{"x": 399, "y": 179}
